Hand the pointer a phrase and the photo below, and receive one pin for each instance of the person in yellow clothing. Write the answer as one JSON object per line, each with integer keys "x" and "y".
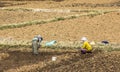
{"x": 86, "y": 47}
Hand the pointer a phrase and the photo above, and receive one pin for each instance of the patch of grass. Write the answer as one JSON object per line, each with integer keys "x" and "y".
{"x": 14, "y": 46}
{"x": 60, "y": 18}
{"x": 106, "y": 48}
{"x": 113, "y": 49}
{"x": 11, "y": 9}
{"x": 59, "y": 45}
{"x": 16, "y": 9}
{"x": 72, "y": 17}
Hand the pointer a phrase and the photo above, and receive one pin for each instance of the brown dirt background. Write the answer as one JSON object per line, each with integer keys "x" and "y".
{"x": 98, "y": 28}
{"x": 22, "y": 60}
{"x": 9, "y": 17}
{"x": 64, "y": 4}
{"x": 86, "y": 63}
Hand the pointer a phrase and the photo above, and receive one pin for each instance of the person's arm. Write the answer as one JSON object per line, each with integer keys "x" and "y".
{"x": 41, "y": 39}
{"x": 39, "y": 43}
{"x": 83, "y": 46}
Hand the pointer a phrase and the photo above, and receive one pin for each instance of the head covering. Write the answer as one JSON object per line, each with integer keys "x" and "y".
{"x": 84, "y": 39}
{"x": 37, "y": 36}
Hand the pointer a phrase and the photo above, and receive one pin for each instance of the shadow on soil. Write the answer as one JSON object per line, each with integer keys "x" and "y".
{"x": 6, "y": 4}
{"x": 17, "y": 59}
{"x": 49, "y": 0}
{"x": 114, "y": 4}
{"x": 75, "y": 58}
{"x": 58, "y": 0}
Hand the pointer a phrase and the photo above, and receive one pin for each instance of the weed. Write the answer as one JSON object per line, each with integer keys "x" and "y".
{"x": 60, "y": 18}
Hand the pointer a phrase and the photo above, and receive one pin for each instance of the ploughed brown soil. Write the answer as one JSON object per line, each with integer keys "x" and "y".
{"x": 101, "y": 62}
{"x": 22, "y": 60}
{"x": 11, "y": 17}
{"x": 102, "y": 27}
{"x": 98, "y": 28}
{"x": 65, "y": 4}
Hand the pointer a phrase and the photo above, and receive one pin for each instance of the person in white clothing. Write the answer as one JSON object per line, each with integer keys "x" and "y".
{"x": 36, "y": 44}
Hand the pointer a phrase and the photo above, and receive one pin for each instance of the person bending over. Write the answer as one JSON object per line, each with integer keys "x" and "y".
{"x": 86, "y": 47}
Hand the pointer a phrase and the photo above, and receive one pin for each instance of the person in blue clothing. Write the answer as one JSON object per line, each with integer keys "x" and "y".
{"x": 36, "y": 43}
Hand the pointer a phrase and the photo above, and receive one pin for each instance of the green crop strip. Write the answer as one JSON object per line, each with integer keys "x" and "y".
{"x": 37, "y": 22}
{"x": 60, "y": 45}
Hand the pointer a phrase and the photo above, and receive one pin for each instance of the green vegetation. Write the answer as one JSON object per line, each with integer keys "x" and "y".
{"x": 36, "y": 22}
{"x": 60, "y": 45}
{"x": 16, "y": 9}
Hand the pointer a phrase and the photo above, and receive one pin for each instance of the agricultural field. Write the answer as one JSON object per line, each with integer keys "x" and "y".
{"x": 10, "y": 17}
{"x": 63, "y": 21}
{"x": 22, "y": 60}
{"x": 99, "y": 28}
{"x": 65, "y": 4}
